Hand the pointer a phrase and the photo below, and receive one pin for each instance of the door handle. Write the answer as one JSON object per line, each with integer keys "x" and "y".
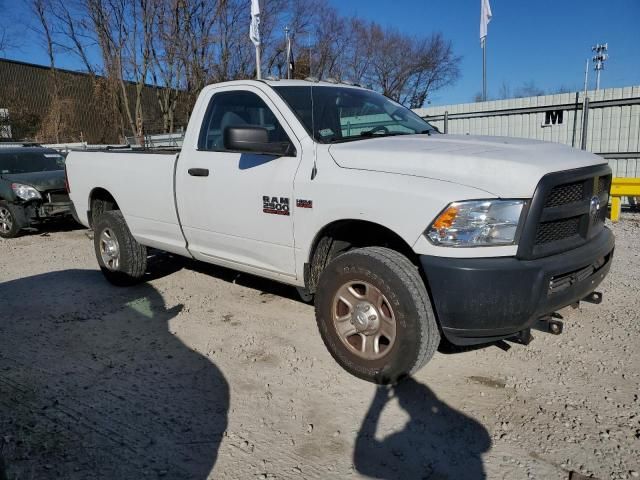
{"x": 198, "y": 172}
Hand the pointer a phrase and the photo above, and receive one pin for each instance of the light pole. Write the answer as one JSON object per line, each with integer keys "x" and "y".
{"x": 288, "y": 40}
{"x": 599, "y": 59}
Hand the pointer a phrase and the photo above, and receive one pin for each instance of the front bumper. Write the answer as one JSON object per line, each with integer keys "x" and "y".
{"x": 37, "y": 211}
{"x": 480, "y": 300}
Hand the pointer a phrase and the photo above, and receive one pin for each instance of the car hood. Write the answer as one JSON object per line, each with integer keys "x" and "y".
{"x": 504, "y": 167}
{"x": 42, "y": 181}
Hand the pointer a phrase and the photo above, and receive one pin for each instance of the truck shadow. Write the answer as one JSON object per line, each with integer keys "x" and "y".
{"x": 166, "y": 264}
{"x": 94, "y": 385}
{"x": 244, "y": 279}
{"x": 437, "y": 442}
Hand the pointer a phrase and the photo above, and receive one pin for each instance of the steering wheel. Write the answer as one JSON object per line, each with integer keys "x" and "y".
{"x": 379, "y": 128}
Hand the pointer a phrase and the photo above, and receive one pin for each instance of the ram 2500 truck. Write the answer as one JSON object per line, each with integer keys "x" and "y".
{"x": 400, "y": 234}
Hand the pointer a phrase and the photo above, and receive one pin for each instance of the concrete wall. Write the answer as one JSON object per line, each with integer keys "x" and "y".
{"x": 613, "y": 122}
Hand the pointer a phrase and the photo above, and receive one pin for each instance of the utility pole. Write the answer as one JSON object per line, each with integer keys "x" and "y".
{"x": 485, "y": 18}
{"x": 310, "y": 59}
{"x": 484, "y": 69}
{"x": 599, "y": 59}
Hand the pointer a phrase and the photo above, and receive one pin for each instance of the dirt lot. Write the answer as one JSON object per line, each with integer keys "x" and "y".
{"x": 205, "y": 373}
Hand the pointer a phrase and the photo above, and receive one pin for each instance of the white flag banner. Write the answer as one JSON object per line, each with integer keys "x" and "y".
{"x": 254, "y": 30}
{"x": 485, "y": 18}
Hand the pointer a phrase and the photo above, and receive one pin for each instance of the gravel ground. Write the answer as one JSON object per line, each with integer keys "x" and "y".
{"x": 206, "y": 373}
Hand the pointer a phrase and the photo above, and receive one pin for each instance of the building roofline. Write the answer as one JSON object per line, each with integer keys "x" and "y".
{"x": 64, "y": 70}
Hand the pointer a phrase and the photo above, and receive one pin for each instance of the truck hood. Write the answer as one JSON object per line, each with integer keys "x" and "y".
{"x": 504, "y": 167}
{"x": 41, "y": 181}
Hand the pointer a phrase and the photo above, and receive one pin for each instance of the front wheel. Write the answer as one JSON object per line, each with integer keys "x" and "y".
{"x": 122, "y": 259}
{"x": 374, "y": 315}
{"x": 9, "y": 226}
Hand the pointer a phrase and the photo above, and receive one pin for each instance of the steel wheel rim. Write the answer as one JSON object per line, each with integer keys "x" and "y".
{"x": 109, "y": 250}
{"x": 364, "y": 320}
{"x": 6, "y": 220}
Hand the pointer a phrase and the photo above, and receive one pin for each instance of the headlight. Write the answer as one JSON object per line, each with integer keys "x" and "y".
{"x": 477, "y": 223}
{"x": 25, "y": 192}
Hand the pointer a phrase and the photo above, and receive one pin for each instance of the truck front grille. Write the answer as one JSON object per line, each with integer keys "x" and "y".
{"x": 568, "y": 209}
{"x": 604, "y": 184}
{"x": 564, "y": 194}
{"x": 557, "y": 230}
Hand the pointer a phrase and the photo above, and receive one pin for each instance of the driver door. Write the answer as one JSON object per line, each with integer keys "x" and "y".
{"x": 236, "y": 207}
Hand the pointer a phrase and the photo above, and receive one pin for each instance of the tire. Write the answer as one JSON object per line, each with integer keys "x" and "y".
{"x": 9, "y": 220}
{"x": 127, "y": 263}
{"x": 386, "y": 286}
{"x": 98, "y": 207}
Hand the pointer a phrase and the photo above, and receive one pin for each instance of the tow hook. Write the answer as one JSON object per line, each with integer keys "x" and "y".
{"x": 523, "y": 337}
{"x": 551, "y": 324}
{"x": 593, "y": 297}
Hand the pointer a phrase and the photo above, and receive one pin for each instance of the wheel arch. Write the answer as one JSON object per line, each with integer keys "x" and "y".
{"x": 342, "y": 235}
{"x": 100, "y": 200}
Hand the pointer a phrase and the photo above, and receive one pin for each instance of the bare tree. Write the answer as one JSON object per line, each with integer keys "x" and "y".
{"x": 124, "y": 33}
{"x": 332, "y": 39}
{"x": 53, "y": 118}
{"x": 5, "y": 36}
{"x": 359, "y": 51}
{"x": 528, "y": 89}
{"x": 166, "y": 71}
{"x": 505, "y": 91}
{"x": 179, "y": 46}
{"x": 435, "y": 66}
{"x": 73, "y": 32}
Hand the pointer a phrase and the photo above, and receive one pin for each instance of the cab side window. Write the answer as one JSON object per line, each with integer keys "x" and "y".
{"x": 237, "y": 109}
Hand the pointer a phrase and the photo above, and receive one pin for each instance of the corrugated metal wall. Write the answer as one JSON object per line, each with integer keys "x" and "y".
{"x": 613, "y": 122}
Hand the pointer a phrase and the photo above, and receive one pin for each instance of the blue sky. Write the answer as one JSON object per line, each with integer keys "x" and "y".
{"x": 544, "y": 41}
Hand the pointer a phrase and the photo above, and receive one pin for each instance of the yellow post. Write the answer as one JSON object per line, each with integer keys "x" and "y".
{"x": 622, "y": 187}
{"x": 616, "y": 205}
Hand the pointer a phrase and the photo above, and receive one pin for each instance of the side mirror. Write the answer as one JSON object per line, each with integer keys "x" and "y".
{"x": 255, "y": 140}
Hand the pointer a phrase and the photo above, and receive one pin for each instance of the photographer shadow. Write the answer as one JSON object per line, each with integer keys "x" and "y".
{"x": 437, "y": 442}
{"x": 93, "y": 383}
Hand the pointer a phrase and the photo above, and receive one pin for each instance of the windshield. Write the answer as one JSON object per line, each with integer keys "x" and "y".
{"x": 29, "y": 162}
{"x": 338, "y": 114}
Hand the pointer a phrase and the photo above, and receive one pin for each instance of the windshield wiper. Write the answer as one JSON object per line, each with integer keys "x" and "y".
{"x": 370, "y": 134}
{"x": 364, "y": 135}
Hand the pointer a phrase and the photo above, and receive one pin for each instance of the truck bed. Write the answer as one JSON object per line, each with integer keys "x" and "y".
{"x": 142, "y": 181}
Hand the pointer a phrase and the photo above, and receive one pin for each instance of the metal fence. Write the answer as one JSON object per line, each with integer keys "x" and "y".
{"x": 160, "y": 140}
{"x": 611, "y": 127}
{"x": 5, "y": 130}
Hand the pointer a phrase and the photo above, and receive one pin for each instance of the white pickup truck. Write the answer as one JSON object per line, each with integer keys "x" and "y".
{"x": 401, "y": 235}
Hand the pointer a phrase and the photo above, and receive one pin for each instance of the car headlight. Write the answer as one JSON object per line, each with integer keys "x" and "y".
{"x": 25, "y": 192}
{"x": 477, "y": 223}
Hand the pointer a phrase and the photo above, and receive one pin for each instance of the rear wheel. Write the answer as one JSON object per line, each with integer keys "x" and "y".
{"x": 122, "y": 259}
{"x": 374, "y": 315}
{"x": 9, "y": 227}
